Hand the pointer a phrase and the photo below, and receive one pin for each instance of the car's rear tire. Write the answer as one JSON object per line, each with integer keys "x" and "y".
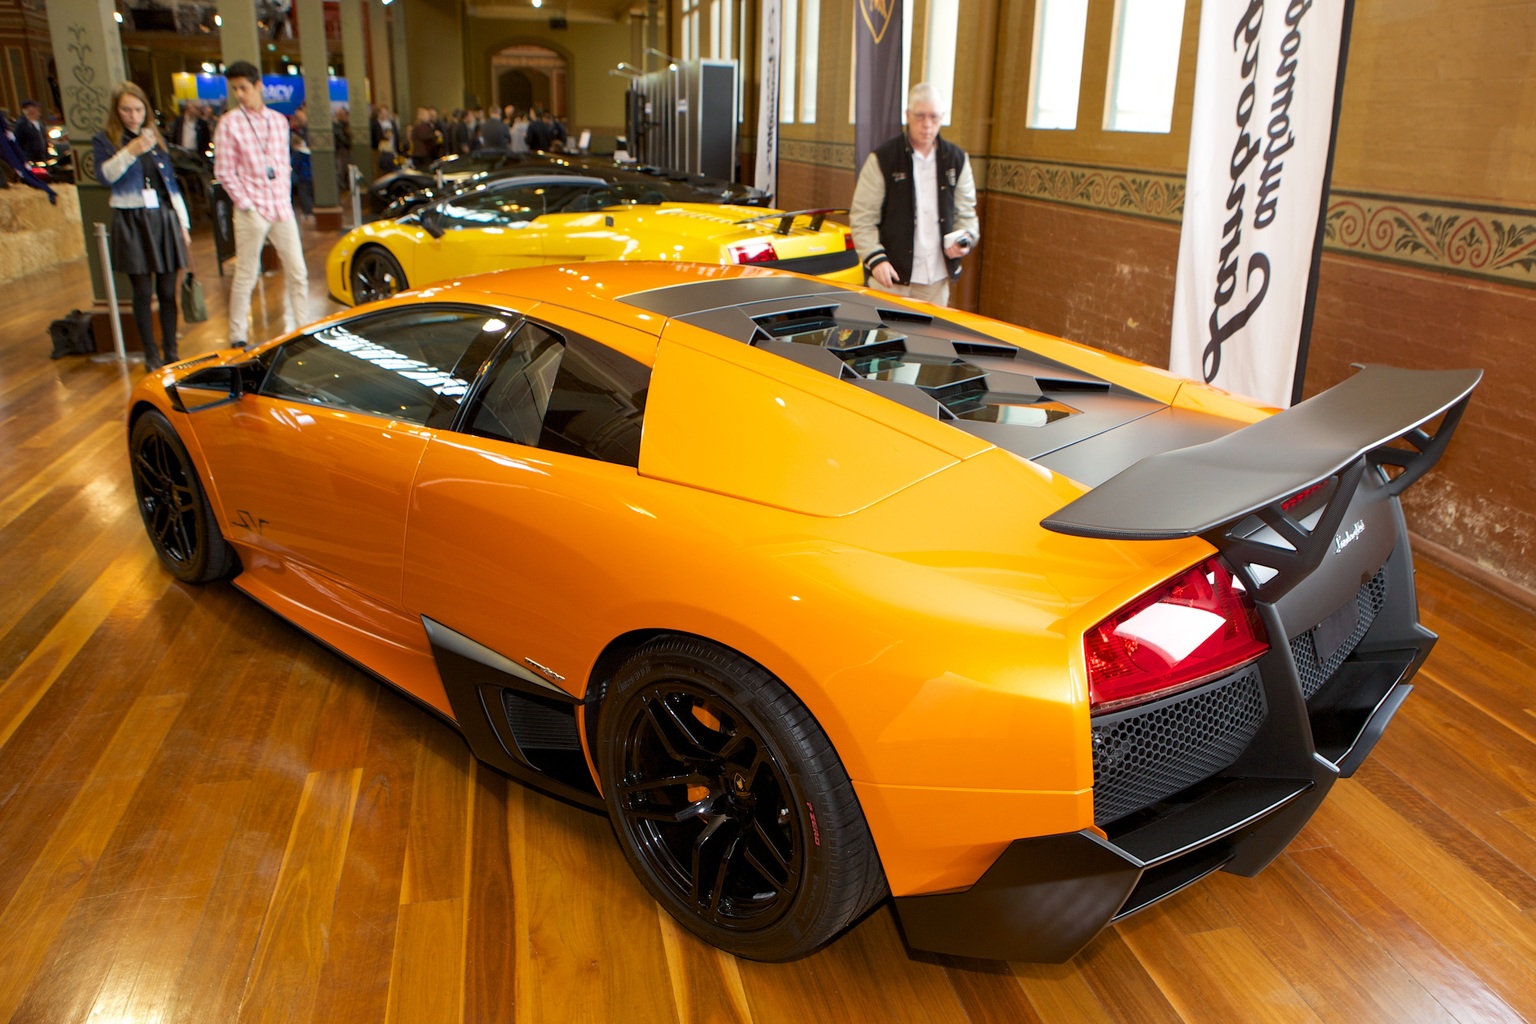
{"x": 730, "y": 803}
{"x": 376, "y": 275}
{"x": 175, "y": 508}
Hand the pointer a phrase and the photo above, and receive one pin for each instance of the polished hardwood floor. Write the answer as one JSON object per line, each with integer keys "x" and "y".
{"x": 205, "y": 816}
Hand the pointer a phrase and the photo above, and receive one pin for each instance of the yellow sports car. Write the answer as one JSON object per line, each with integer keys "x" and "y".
{"x": 524, "y": 222}
{"x": 820, "y": 593}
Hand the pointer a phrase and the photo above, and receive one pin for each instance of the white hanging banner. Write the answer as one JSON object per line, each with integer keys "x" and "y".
{"x": 768, "y": 99}
{"x": 1263, "y": 118}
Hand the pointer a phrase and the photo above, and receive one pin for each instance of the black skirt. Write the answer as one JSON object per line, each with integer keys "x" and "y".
{"x": 147, "y": 241}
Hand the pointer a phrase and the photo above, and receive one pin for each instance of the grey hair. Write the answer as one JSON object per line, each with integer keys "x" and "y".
{"x": 923, "y": 91}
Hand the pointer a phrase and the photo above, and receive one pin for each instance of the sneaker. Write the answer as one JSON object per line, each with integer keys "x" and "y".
{"x": 237, "y": 344}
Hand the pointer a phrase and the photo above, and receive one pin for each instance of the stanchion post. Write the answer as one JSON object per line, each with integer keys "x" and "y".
{"x": 105, "y": 252}
{"x": 353, "y": 177}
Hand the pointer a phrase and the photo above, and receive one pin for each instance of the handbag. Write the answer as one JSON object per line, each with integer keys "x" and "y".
{"x": 194, "y": 308}
{"x": 72, "y": 335}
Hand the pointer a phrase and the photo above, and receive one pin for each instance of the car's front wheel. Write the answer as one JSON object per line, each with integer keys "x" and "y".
{"x": 174, "y": 506}
{"x": 376, "y": 275}
{"x": 730, "y": 803}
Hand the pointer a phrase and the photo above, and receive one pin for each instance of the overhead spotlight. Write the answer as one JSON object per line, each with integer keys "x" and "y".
{"x": 218, "y": 19}
{"x": 117, "y": 16}
{"x": 207, "y": 67}
{"x": 538, "y": 3}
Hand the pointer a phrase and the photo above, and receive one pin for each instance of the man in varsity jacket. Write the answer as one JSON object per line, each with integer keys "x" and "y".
{"x": 914, "y": 208}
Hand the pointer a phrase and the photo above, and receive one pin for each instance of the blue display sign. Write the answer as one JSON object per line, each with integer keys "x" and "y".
{"x": 283, "y": 93}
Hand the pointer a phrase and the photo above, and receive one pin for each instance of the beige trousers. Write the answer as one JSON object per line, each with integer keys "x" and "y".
{"x": 936, "y": 293}
{"x": 252, "y": 231}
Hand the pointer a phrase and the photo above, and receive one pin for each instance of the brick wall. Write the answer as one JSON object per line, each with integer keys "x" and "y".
{"x": 1098, "y": 278}
{"x": 1480, "y": 502}
{"x": 811, "y": 186}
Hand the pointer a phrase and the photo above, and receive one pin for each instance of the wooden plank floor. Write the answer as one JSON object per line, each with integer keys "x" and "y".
{"x": 207, "y": 817}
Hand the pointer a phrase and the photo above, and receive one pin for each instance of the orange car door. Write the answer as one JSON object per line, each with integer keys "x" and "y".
{"x": 315, "y": 471}
{"x": 518, "y": 518}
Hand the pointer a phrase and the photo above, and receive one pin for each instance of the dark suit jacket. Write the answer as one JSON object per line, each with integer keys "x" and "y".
{"x": 33, "y": 143}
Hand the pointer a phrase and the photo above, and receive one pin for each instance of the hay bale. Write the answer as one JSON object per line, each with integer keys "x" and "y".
{"x": 39, "y": 235}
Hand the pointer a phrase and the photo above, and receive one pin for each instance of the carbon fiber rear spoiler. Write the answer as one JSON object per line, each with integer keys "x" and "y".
{"x": 1206, "y": 489}
{"x": 787, "y": 218}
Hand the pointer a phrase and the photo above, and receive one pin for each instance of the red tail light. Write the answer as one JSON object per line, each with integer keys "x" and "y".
{"x": 1199, "y": 625}
{"x": 753, "y": 252}
{"x": 847, "y": 241}
{"x": 1302, "y": 497}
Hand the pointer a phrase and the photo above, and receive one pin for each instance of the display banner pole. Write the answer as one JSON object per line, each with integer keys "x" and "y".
{"x": 1267, "y": 76}
{"x": 767, "y": 177}
{"x": 105, "y": 251}
{"x": 878, "y": 102}
{"x": 1304, "y": 342}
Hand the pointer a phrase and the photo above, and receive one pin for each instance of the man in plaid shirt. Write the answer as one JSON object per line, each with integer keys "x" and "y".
{"x": 250, "y": 159}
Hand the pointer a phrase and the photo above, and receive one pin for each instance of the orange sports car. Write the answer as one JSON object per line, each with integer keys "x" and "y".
{"x": 820, "y": 594}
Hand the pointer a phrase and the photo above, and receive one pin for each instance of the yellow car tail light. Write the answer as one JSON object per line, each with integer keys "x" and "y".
{"x": 760, "y": 251}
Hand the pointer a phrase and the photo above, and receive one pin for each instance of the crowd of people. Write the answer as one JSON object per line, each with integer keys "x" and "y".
{"x": 460, "y": 132}
{"x": 188, "y": 132}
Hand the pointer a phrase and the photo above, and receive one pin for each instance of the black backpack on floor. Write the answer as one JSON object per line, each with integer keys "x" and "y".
{"x": 72, "y": 335}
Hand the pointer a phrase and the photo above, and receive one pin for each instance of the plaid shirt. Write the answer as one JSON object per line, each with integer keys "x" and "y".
{"x": 245, "y": 146}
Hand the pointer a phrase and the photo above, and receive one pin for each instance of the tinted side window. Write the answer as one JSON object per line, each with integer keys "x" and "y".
{"x": 403, "y": 365}
{"x": 565, "y": 393}
{"x": 492, "y": 207}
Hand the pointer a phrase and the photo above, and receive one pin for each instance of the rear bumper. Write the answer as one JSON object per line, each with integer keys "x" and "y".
{"x": 1046, "y": 897}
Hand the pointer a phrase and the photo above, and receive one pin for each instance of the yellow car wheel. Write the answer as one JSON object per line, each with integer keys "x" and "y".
{"x": 375, "y": 275}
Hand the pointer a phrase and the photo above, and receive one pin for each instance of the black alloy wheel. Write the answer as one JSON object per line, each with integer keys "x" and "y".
{"x": 375, "y": 275}
{"x": 730, "y": 803}
{"x": 176, "y": 512}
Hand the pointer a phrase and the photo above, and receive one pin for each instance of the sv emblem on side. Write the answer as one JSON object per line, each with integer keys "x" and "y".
{"x": 247, "y": 521}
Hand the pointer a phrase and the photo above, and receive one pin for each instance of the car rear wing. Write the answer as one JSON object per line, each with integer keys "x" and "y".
{"x": 1374, "y": 419}
{"x": 787, "y": 218}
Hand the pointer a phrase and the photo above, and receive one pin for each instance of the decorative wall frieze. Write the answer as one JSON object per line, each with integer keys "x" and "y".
{"x": 1153, "y": 194}
{"x": 815, "y": 151}
{"x": 1490, "y": 242}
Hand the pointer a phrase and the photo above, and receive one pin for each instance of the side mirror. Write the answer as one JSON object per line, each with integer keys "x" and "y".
{"x": 231, "y": 382}
{"x": 431, "y": 222}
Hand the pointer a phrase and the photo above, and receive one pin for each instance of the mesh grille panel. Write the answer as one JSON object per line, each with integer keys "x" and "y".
{"x": 540, "y": 724}
{"x": 1369, "y": 601}
{"x": 1144, "y": 755}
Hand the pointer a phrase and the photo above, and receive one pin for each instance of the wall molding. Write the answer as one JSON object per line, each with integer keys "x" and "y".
{"x": 818, "y": 152}
{"x": 1154, "y": 194}
{"x": 1494, "y": 243}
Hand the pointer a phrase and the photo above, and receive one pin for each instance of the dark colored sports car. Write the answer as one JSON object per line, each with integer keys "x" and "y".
{"x": 399, "y": 192}
{"x": 821, "y": 594}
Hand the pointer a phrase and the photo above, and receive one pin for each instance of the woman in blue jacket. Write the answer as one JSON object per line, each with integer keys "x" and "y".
{"x": 150, "y": 226}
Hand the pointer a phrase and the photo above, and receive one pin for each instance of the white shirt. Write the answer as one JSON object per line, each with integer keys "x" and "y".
{"x": 928, "y": 266}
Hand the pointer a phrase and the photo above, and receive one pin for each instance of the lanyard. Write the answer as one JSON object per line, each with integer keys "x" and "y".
{"x": 267, "y": 156}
